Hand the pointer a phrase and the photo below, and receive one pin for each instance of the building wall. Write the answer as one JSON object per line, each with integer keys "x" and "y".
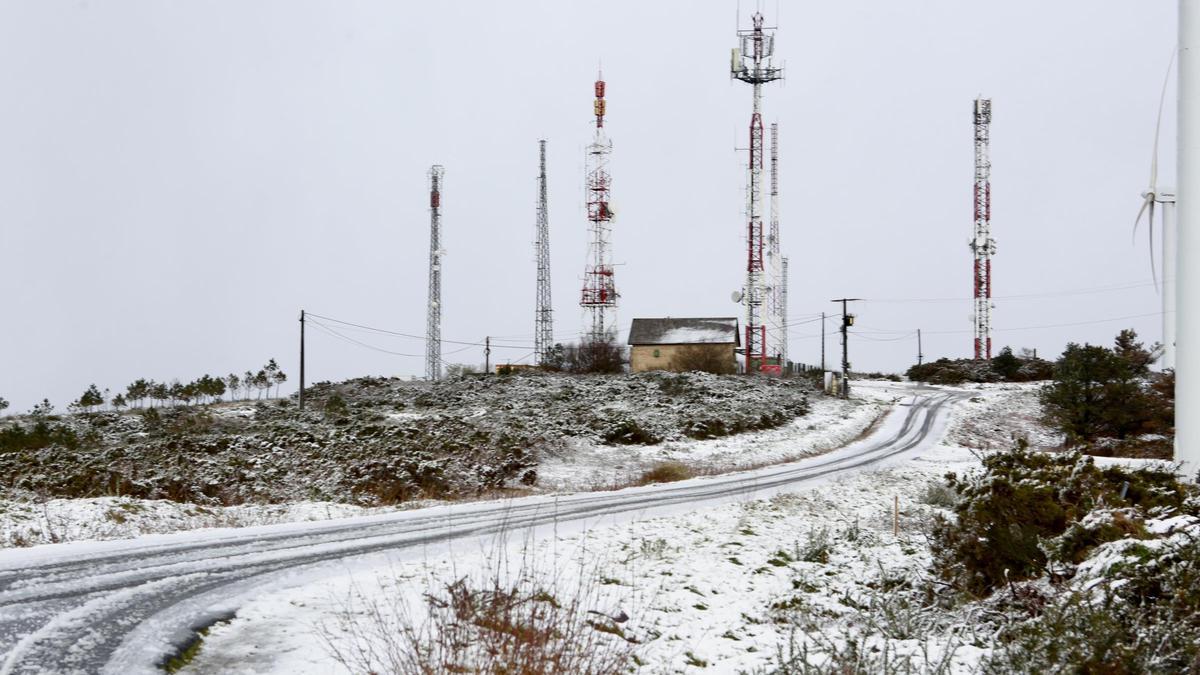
{"x": 662, "y": 357}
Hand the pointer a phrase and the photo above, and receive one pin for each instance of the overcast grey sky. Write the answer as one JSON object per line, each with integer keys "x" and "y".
{"x": 178, "y": 179}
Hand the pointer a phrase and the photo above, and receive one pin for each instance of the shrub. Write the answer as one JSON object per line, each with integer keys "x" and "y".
{"x": 1107, "y": 393}
{"x": 627, "y": 431}
{"x": 520, "y": 622}
{"x": 594, "y": 356}
{"x": 1144, "y": 618}
{"x": 1010, "y": 517}
{"x": 1005, "y": 367}
{"x": 41, "y": 435}
{"x": 335, "y": 406}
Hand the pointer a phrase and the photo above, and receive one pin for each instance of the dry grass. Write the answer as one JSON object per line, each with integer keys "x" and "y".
{"x": 666, "y": 472}
{"x": 499, "y": 621}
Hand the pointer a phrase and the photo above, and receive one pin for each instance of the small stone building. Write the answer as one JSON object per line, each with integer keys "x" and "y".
{"x": 674, "y": 344}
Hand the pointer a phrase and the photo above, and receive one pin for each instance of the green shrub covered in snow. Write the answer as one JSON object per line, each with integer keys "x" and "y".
{"x": 1027, "y": 510}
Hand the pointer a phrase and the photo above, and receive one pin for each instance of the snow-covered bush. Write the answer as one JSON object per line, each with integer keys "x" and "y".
{"x": 1134, "y": 607}
{"x": 377, "y": 440}
{"x": 1026, "y": 510}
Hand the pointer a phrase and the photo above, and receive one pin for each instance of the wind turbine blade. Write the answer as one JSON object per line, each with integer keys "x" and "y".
{"x": 1162, "y": 98}
{"x": 1147, "y": 202}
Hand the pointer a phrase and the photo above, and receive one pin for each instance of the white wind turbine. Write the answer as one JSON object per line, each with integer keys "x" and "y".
{"x": 1166, "y": 197}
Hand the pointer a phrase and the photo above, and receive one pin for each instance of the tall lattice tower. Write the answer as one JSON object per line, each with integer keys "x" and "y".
{"x": 599, "y": 297}
{"x": 752, "y": 64}
{"x": 783, "y": 305}
{"x": 776, "y": 331}
{"x": 543, "y": 329}
{"x": 982, "y": 245}
{"x": 433, "y": 323}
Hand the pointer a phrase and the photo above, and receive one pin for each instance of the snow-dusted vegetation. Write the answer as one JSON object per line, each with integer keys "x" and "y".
{"x": 954, "y": 561}
{"x": 375, "y": 443}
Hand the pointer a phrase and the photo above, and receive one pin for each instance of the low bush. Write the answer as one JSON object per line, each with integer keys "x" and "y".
{"x": 666, "y": 472}
{"x": 518, "y": 623}
{"x": 41, "y": 434}
{"x": 1005, "y": 367}
{"x": 1011, "y": 519}
{"x": 1141, "y": 616}
{"x": 627, "y": 431}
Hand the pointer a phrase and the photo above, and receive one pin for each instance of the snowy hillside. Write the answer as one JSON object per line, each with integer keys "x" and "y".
{"x": 375, "y": 445}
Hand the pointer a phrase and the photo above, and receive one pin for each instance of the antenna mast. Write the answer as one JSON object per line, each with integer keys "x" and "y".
{"x": 776, "y": 299}
{"x": 783, "y": 306}
{"x": 599, "y": 297}
{"x": 543, "y": 331}
{"x": 433, "y": 324}
{"x": 983, "y": 246}
{"x": 751, "y": 63}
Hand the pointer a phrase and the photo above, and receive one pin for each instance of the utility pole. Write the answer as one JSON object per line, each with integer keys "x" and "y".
{"x": 822, "y": 343}
{"x": 301, "y": 359}
{"x": 919, "y": 354}
{"x": 847, "y": 321}
{"x": 487, "y": 355}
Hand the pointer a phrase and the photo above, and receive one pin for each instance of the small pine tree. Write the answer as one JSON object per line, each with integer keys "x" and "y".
{"x": 1006, "y": 364}
{"x": 90, "y": 399}
{"x": 42, "y": 409}
{"x": 278, "y": 378}
{"x": 3, "y": 404}
{"x": 118, "y": 402}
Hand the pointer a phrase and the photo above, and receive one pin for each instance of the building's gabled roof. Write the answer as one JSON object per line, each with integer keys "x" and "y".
{"x": 720, "y": 330}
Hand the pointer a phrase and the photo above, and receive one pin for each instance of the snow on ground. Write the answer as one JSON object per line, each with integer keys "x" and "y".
{"x": 586, "y": 465}
{"x": 998, "y": 415}
{"x": 832, "y": 423}
{"x": 721, "y": 588}
{"x": 102, "y": 518}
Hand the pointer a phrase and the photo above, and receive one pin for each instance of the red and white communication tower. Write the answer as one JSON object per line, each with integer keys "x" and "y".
{"x": 982, "y": 245}
{"x": 751, "y": 63}
{"x": 599, "y": 297}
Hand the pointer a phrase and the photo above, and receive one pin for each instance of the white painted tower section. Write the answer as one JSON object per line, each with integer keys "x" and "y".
{"x": 1187, "y": 199}
{"x": 1169, "y": 269}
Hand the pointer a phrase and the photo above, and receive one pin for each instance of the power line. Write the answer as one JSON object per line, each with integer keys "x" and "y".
{"x": 336, "y": 334}
{"x": 908, "y": 332}
{"x": 409, "y": 335}
{"x": 1030, "y": 296}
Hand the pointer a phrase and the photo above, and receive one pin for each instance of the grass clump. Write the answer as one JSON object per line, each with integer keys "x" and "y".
{"x": 666, "y": 472}
{"x": 521, "y": 622}
{"x": 817, "y": 547}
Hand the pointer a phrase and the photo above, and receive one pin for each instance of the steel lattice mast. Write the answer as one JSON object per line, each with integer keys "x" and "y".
{"x": 752, "y": 64}
{"x": 599, "y": 297}
{"x": 543, "y": 331}
{"x": 433, "y": 323}
{"x": 982, "y": 245}
{"x": 783, "y": 305}
{"x": 776, "y": 333}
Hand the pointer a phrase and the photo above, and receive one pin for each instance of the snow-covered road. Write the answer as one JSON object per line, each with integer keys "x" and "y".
{"x": 124, "y": 606}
